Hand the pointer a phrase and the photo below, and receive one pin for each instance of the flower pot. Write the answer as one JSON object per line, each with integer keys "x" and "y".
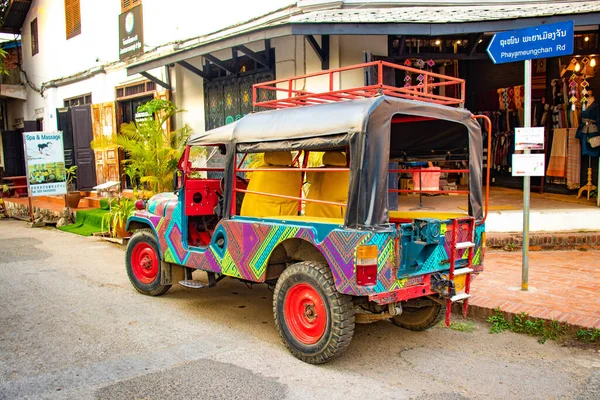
{"x": 73, "y": 199}
{"x": 120, "y": 231}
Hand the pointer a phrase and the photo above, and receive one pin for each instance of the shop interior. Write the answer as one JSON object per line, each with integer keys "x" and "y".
{"x": 562, "y": 88}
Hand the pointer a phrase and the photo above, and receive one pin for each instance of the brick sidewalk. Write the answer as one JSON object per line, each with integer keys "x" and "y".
{"x": 564, "y": 286}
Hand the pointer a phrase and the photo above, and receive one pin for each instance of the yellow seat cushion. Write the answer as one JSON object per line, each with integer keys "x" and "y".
{"x": 286, "y": 183}
{"x": 328, "y": 186}
{"x": 403, "y": 215}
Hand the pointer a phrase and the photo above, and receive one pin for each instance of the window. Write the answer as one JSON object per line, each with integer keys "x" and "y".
{"x": 79, "y": 100}
{"x": 129, "y": 4}
{"x": 135, "y": 89}
{"x": 72, "y": 18}
{"x": 35, "y": 45}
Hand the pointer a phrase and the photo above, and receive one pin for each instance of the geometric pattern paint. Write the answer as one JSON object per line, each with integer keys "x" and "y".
{"x": 249, "y": 242}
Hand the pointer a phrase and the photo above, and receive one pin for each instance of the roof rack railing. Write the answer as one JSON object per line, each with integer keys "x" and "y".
{"x": 430, "y": 87}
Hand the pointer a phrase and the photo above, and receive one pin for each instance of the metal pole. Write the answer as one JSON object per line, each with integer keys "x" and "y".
{"x": 526, "y": 183}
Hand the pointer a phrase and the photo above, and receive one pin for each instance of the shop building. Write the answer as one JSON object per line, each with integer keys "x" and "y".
{"x": 211, "y": 75}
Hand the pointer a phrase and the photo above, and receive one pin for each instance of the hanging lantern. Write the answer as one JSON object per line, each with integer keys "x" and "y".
{"x": 408, "y": 78}
{"x": 584, "y": 93}
{"x": 573, "y": 84}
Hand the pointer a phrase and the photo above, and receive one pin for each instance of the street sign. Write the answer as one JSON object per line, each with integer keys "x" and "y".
{"x": 528, "y": 164}
{"x": 529, "y": 138}
{"x": 542, "y": 41}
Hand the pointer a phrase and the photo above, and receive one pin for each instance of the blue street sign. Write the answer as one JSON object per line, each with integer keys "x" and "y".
{"x": 542, "y": 41}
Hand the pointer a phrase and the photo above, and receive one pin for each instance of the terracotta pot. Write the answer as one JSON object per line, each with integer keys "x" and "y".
{"x": 121, "y": 232}
{"x": 73, "y": 199}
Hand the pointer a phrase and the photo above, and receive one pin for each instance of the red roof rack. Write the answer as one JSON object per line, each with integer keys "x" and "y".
{"x": 431, "y": 87}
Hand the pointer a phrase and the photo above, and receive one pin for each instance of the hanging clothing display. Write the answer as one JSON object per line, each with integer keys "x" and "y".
{"x": 558, "y": 154}
{"x": 573, "y": 160}
{"x": 588, "y": 128}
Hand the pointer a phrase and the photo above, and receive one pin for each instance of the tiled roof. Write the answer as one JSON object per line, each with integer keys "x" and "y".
{"x": 446, "y": 14}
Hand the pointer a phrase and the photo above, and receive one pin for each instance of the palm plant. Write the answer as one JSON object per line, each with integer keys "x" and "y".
{"x": 71, "y": 175}
{"x": 152, "y": 150}
{"x": 114, "y": 220}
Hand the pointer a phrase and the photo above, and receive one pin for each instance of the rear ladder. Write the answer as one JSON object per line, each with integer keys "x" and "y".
{"x": 455, "y": 245}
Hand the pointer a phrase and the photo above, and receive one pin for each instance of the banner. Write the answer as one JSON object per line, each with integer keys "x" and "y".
{"x": 44, "y": 152}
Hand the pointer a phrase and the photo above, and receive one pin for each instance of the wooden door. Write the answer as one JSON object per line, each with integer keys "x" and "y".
{"x": 14, "y": 159}
{"x": 84, "y": 155}
{"x": 108, "y": 161}
{"x": 65, "y": 125}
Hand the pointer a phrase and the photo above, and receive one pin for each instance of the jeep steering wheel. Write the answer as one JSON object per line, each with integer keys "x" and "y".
{"x": 240, "y": 178}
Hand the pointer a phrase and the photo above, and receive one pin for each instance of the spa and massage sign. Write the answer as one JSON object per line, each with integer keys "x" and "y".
{"x": 46, "y": 175}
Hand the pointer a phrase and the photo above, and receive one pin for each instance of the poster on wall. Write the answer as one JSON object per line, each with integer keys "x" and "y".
{"x": 44, "y": 152}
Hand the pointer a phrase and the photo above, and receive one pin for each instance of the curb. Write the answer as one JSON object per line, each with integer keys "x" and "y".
{"x": 539, "y": 241}
{"x": 482, "y": 313}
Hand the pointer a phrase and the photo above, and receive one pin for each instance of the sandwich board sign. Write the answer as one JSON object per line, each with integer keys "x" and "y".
{"x": 46, "y": 173}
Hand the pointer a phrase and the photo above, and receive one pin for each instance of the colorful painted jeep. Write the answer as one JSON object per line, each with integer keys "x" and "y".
{"x": 299, "y": 198}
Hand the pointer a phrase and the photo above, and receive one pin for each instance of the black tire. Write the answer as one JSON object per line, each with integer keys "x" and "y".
{"x": 144, "y": 280}
{"x": 339, "y": 312}
{"x": 420, "y": 319}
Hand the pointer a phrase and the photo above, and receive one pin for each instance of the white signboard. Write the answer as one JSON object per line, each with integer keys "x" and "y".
{"x": 529, "y": 138}
{"x": 45, "y": 155}
{"x": 528, "y": 164}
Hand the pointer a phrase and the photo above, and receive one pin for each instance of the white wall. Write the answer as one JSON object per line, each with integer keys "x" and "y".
{"x": 188, "y": 95}
{"x": 97, "y": 46}
{"x": 351, "y": 52}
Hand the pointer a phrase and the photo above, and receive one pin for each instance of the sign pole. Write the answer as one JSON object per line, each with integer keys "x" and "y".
{"x": 542, "y": 41}
{"x": 526, "y": 183}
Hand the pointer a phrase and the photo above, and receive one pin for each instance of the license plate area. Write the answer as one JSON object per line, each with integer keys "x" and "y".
{"x": 459, "y": 282}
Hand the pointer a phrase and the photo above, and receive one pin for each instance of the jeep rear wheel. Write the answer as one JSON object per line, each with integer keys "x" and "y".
{"x": 420, "y": 319}
{"x": 142, "y": 261}
{"x": 315, "y": 321}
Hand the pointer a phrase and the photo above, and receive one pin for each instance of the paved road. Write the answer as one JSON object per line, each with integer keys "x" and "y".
{"x": 72, "y": 327}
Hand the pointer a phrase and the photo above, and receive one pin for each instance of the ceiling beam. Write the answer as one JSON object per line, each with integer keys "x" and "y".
{"x": 155, "y": 80}
{"x": 322, "y": 50}
{"x": 201, "y": 50}
{"x": 224, "y": 66}
{"x": 256, "y": 57}
{"x": 193, "y": 69}
{"x": 474, "y": 39}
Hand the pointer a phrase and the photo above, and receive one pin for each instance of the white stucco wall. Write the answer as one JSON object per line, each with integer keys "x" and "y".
{"x": 97, "y": 46}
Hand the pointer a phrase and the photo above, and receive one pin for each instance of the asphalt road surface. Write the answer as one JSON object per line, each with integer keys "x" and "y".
{"x": 72, "y": 327}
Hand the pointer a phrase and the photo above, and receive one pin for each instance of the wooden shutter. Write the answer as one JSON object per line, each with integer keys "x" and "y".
{"x": 35, "y": 46}
{"x": 129, "y": 4}
{"x": 72, "y": 18}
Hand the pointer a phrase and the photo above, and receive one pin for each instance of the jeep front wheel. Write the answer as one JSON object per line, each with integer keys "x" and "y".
{"x": 315, "y": 321}
{"x": 142, "y": 261}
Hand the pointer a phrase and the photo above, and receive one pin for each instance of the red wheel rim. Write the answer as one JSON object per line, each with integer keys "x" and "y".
{"x": 304, "y": 313}
{"x": 144, "y": 262}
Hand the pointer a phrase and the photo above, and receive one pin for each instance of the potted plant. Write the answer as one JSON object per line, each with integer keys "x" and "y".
{"x": 116, "y": 217}
{"x": 73, "y": 196}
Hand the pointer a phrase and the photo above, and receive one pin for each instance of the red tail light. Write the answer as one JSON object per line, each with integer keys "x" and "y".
{"x": 366, "y": 265}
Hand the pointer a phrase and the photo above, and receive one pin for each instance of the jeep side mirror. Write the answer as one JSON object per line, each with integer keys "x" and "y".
{"x": 176, "y": 181}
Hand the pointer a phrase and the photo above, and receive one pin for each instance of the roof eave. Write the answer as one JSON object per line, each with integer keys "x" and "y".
{"x": 14, "y": 16}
